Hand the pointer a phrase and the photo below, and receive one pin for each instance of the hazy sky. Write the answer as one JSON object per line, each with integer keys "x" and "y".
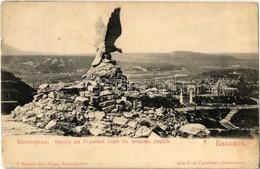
{"x": 68, "y": 27}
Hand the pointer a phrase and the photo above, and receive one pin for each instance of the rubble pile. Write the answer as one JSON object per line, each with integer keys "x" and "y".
{"x": 102, "y": 104}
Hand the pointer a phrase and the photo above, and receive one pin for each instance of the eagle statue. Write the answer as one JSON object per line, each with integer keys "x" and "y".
{"x": 106, "y": 37}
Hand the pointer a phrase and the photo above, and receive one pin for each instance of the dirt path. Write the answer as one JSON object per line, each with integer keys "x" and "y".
{"x": 11, "y": 127}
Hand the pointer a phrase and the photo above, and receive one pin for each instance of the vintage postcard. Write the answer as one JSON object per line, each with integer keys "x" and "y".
{"x": 129, "y": 85}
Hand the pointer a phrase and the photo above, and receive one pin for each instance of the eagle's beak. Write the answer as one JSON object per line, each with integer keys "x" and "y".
{"x": 119, "y": 50}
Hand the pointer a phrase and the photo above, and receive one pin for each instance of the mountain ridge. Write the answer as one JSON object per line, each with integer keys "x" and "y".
{"x": 8, "y": 50}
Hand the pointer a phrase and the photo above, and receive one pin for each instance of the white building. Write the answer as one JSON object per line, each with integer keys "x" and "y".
{"x": 221, "y": 89}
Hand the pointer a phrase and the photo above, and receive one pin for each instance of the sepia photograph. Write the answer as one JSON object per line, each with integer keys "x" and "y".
{"x": 99, "y": 79}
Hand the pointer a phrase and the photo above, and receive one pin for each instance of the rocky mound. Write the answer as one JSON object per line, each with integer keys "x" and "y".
{"x": 103, "y": 103}
{"x": 14, "y": 92}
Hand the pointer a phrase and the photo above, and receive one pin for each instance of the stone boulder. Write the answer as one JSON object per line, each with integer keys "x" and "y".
{"x": 143, "y": 131}
{"x": 194, "y": 130}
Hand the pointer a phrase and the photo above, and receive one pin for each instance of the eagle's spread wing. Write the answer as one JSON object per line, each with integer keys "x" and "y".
{"x": 98, "y": 58}
{"x": 100, "y": 41}
{"x": 113, "y": 28}
{"x": 101, "y": 33}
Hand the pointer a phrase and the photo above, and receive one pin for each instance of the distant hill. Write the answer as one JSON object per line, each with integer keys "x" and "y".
{"x": 46, "y": 64}
{"x": 38, "y": 69}
{"x": 189, "y": 60}
{"x": 246, "y": 56}
{"x": 22, "y": 62}
{"x": 188, "y": 55}
{"x": 194, "y": 59}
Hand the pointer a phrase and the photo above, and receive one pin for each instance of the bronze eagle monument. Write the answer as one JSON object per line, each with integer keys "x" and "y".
{"x": 106, "y": 37}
